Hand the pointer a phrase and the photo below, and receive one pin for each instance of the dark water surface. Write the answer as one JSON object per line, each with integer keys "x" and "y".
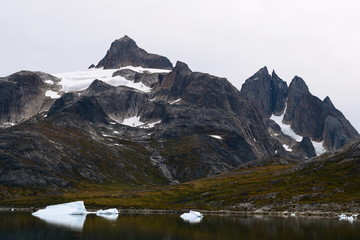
{"x": 172, "y": 227}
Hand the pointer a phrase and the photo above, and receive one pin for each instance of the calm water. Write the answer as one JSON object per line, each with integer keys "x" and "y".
{"x": 172, "y": 227}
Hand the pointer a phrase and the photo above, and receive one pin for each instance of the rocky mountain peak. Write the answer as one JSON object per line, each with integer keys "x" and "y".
{"x": 182, "y": 67}
{"x": 298, "y": 85}
{"x": 328, "y": 101}
{"x": 267, "y": 92}
{"x": 125, "y": 52}
{"x": 306, "y": 114}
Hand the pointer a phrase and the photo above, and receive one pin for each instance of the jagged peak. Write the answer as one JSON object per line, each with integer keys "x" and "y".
{"x": 328, "y": 101}
{"x": 181, "y": 66}
{"x": 262, "y": 71}
{"x": 299, "y": 84}
{"x": 125, "y": 39}
{"x": 125, "y": 52}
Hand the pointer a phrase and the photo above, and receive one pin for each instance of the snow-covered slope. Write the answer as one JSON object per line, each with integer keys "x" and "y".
{"x": 80, "y": 80}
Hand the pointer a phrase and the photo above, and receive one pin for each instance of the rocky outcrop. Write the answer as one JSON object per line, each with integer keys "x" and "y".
{"x": 267, "y": 92}
{"x": 124, "y": 52}
{"x": 306, "y": 114}
{"x": 316, "y": 119}
{"x": 148, "y": 79}
{"x": 22, "y": 95}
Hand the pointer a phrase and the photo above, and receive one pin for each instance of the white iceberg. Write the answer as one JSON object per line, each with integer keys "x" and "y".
{"x": 71, "y": 208}
{"x": 192, "y": 217}
{"x": 110, "y": 211}
{"x": 344, "y": 217}
{"x": 71, "y": 215}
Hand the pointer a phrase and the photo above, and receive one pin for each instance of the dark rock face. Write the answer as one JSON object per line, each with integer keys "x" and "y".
{"x": 22, "y": 95}
{"x": 117, "y": 102}
{"x": 148, "y": 79}
{"x": 319, "y": 120}
{"x": 124, "y": 52}
{"x": 307, "y": 115}
{"x": 305, "y": 147}
{"x": 267, "y": 93}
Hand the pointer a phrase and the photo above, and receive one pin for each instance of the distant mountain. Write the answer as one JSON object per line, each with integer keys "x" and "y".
{"x": 137, "y": 120}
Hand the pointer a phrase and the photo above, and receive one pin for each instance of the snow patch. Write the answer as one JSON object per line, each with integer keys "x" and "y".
{"x": 116, "y": 132}
{"x": 286, "y": 129}
{"x": 192, "y": 217}
{"x": 132, "y": 122}
{"x": 176, "y": 101}
{"x": 52, "y": 94}
{"x": 135, "y": 122}
{"x": 319, "y": 147}
{"x": 216, "y": 136}
{"x": 151, "y": 125}
{"x": 80, "y": 80}
{"x": 287, "y": 148}
{"x": 50, "y": 82}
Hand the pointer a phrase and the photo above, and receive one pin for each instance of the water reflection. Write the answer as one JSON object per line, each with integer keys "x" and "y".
{"x": 172, "y": 227}
{"x": 75, "y": 222}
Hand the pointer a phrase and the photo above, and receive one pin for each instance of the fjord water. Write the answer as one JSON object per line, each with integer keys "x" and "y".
{"x": 172, "y": 227}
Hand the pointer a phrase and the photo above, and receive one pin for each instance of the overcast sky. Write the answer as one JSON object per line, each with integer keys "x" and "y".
{"x": 318, "y": 40}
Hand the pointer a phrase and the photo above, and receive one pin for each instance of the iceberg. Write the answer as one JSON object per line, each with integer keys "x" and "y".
{"x": 109, "y": 214}
{"x": 71, "y": 208}
{"x": 192, "y": 217}
{"x": 344, "y": 217}
{"x": 71, "y": 215}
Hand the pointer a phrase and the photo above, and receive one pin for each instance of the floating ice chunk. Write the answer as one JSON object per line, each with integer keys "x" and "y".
{"x": 109, "y": 214}
{"x": 293, "y": 214}
{"x": 110, "y": 211}
{"x": 71, "y": 208}
{"x": 344, "y": 217}
{"x": 216, "y": 136}
{"x": 70, "y": 215}
{"x": 192, "y": 217}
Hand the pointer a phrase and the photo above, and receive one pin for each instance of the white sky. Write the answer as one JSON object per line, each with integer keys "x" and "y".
{"x": 318, "y": 40}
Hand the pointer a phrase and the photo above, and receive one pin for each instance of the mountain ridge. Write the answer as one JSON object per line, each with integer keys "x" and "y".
{"x": 139, "y": 126}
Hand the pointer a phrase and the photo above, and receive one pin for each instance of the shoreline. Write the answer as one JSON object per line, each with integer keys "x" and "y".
{"x": 245, "y": 213}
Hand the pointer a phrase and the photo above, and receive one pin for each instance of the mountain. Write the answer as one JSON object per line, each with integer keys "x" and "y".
{"x": 294, "y": 106}
{"x": 124, "y": 52}
{"x": 136, "y": 120}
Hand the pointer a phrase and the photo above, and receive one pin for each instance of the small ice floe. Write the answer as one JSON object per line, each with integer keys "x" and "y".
{"x": 344, "y": 217}
{"x": 110, "y": 211}
{"x": 109, "y": 214}
{"x": 293, "y": 215}
{"x": 192, "y": 217}
{"x": 71, "y": 215}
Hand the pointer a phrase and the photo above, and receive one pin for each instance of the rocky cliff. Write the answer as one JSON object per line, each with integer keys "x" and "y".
{"x": 306, "y": 115}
